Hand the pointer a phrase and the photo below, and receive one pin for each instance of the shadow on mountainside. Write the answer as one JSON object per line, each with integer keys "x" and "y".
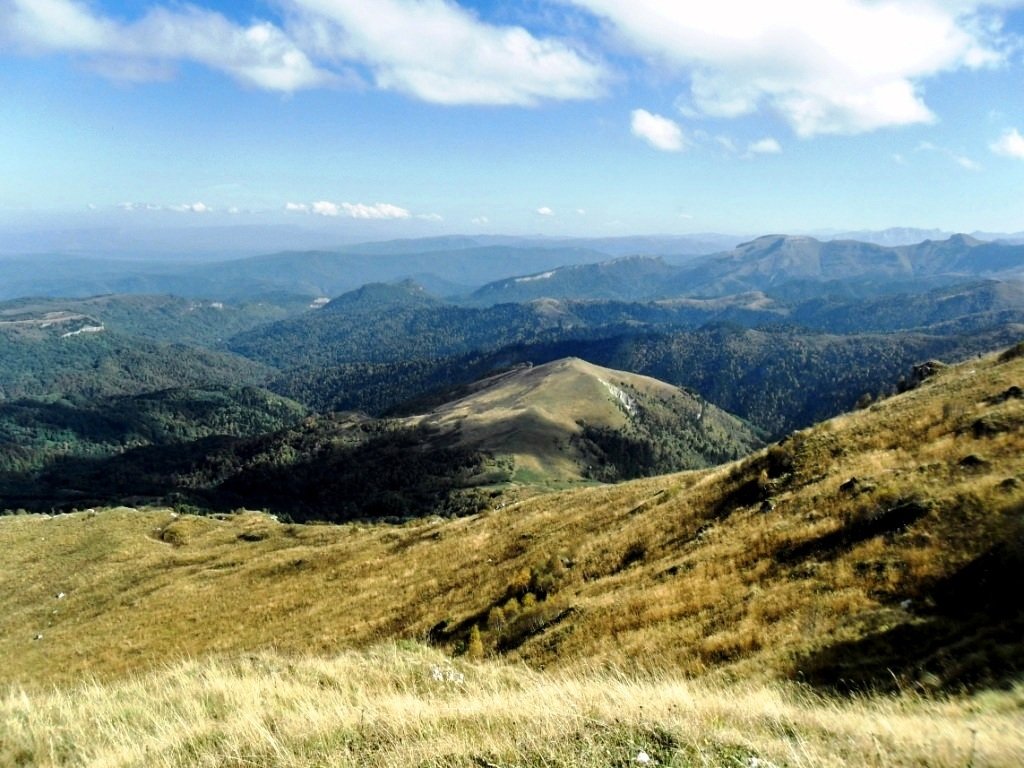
{"x": 968, "y": 633}
{"x": 305, "y": 473}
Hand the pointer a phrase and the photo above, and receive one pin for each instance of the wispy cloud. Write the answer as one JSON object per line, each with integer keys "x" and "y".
{"x": 658, "y": 131}
{"x": 127, "y": 206}
{"x": 545, "y": 211}
{"x": 352, "y": 210}
{"x": 827, "y": 66}
{"x": 966, "y": 163}
{"x": 1010, "y": 144}
{"x": 961, "y": 160}
{"x": 197, "y": 207}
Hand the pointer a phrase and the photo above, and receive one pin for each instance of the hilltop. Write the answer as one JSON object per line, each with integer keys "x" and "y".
{"x": 569, "y": 419}
{"x": 865, "y": 552}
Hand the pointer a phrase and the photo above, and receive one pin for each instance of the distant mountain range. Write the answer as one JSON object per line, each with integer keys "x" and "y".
{"x": 788, "y": 266}
{"x": 511, "y": 269}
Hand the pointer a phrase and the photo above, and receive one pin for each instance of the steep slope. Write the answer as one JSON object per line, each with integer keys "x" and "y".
{"x": 874, "y": 550}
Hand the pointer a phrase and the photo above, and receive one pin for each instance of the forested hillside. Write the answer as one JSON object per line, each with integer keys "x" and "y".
{"x": 555, "y": 425}
{"x": 37, "y": 433}
{"x": 779, "y": 378}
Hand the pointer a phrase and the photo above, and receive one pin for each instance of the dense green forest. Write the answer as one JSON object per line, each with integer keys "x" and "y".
{"x": 327, "y": 468}
{"x": 107, "y": 363}
{"x": 34, "y": 433}
{"x": 778, "y": 378}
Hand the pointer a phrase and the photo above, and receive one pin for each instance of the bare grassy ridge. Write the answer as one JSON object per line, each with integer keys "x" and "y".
{"x": 411, "y": 706}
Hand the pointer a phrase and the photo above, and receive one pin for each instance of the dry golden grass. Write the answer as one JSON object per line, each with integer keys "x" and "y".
{"x": 755, "y": 570}
{"x": 412, "y": 706}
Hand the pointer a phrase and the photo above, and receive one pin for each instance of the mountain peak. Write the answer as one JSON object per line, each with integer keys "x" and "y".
{"x": 961, "y": 239}
{"x": 378, "y": 295}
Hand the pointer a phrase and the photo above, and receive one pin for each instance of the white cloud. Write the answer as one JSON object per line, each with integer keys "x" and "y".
{"x": 827, "y": 66}
{"x": 358, "y": 210}
{"x": 581, "y": 211}
{"x": 1010, "y": 144}
{"x": 480, "y": 220}
{"x": 192, "y": 208}
{"x": 197, "y": 207}
{"x": 296, "y": 207}
{"x": 545, "y": 211}
{"x": 140, "y": 207}
{"x": 765, "y": 146}
{"x": 326, "y": 208}
{"x": 430, "y": 216}
{"x": 660, "y": 132}
{"x": 440, "y": 52}
{"x": 259, "y": 54}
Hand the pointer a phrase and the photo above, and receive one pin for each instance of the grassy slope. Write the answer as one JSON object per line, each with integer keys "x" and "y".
{"x": 760, "y": 568}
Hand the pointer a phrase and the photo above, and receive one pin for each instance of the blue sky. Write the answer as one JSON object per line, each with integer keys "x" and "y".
{"x": 583, "y": 117}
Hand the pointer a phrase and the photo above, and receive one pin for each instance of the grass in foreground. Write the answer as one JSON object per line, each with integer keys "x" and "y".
{"x": 405, "y": 705}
